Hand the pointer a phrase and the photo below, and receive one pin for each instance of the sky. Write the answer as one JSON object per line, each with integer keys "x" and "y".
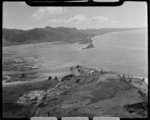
{"x": 19, "y": 15}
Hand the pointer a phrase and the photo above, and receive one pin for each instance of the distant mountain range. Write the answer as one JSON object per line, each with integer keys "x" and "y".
{"x": 50, "y": 34}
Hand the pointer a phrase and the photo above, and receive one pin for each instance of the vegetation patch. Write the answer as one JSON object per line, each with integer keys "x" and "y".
{"x": 108, "y": 90}
{"x": 12, "y": 110}
{"x": 138, "y": 108}
{"x": 67, "y": 77}
{"x": 11, "y": 95}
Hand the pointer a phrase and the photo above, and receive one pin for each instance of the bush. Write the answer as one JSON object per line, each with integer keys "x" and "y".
{"x": 50, "y": 78}
{"x": 78, "y": 80}
{"x": 67, "y": 77}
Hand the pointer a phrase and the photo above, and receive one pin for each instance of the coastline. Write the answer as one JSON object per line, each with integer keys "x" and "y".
{"x": 145, "y": 79}
{"x": 44, "y": 78}
{"x": 83, "y": 81}
{"x": 59, "y": 75}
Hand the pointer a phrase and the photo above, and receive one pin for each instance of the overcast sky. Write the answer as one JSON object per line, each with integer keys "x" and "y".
{"x": 21, "y": 16}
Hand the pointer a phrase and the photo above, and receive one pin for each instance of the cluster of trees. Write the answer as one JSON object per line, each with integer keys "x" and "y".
{"x": 126, "y": 77}
{"x": 50, "y": 78}
{"x": 67, "y": 77}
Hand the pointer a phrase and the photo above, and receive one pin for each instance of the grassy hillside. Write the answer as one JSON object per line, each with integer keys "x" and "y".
{"x": 49, "y": 34}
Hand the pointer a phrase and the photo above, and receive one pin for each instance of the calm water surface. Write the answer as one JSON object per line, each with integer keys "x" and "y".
{"x": 123, "y": 52}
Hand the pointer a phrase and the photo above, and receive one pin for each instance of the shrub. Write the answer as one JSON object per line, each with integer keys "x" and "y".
{"x": 67, "y": 77}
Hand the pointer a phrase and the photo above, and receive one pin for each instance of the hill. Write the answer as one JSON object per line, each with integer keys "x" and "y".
{"x": 85, "y": 92}
{"x": 50, "y": 34}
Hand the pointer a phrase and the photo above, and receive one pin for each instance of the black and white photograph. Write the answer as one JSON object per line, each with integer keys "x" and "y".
{"x": 75, "y": 61}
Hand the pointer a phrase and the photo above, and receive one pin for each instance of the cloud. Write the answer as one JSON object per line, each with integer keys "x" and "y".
{"x": 76, "y": 19}
{"x": 55, "y": 20}
{"x": 99, "y": 19}
{"x": 43, "y": 12}
{"x": 81, "y": 18}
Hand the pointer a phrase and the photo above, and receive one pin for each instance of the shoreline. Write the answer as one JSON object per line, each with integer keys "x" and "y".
{"x": 44, "y": 78}
{"x": 145, "y": 79}
{"x": 59, "y": 75}
{"x": 89, "y": 39}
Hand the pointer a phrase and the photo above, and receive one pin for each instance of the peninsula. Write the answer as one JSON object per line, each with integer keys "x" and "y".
{"x": 84, "y": 92}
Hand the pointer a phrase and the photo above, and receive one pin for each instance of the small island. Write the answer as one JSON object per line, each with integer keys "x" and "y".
{"x": 89, "y": 46}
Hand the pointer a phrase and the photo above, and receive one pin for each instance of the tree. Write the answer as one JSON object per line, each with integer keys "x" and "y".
{"x": 50, "y": 77}
{"x": 71, "y": 69}
{"x": 143, "y": 79}
{"x": 23, "y": 75}
{"x": 77, "y": 66}
{"x": 78, "y": 80}
{"x": 56, "y": 78}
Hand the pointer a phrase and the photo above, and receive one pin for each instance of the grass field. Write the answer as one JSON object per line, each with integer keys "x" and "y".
{"x": 11, "y": 95}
